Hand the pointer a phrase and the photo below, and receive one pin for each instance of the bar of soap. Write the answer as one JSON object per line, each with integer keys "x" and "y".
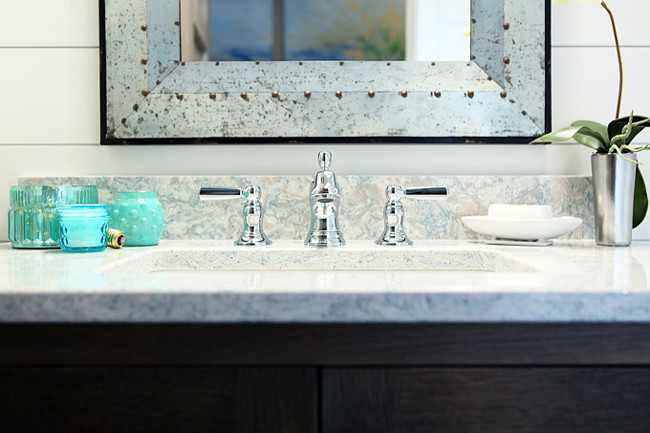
{"x": 520, "y": 211}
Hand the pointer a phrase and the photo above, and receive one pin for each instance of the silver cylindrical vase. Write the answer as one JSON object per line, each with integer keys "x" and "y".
{"x": 613, "y": 182}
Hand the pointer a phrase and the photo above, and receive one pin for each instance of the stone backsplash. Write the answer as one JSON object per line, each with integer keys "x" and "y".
{"x": 286, "y": 202}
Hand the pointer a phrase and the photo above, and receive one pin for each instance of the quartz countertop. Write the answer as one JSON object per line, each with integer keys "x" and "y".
{"x": 571, "y": 281}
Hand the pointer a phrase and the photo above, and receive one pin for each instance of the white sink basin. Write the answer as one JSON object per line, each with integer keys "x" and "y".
{"x": 293, "y": 256}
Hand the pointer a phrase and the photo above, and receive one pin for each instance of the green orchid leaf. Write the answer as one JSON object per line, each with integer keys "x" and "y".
{"x": 640, "y": 199}
{"x": 563, "y": 134}
{"x": 598, "y": 128}
{"x": 580, "y": 133}
{"x": 615, "y": 127}
{"x": 587, "y": 139}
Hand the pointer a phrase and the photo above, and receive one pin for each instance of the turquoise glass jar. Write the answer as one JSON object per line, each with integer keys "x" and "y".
{"x": 32, "y": 217}
{"x": 32, "y": 212}
{"x": 139, "y": 215}
{"x": 83, "y": 228}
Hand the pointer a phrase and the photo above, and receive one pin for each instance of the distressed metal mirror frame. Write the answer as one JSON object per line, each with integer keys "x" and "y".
{"x": 149, "y": 95}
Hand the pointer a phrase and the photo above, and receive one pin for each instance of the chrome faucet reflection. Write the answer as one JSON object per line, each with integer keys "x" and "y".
{"x": 252, "y": 234}
{"x": 394, "y": 213}
{"x": 325, "y": 204}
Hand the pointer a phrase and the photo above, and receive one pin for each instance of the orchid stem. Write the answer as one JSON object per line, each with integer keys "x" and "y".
{"x": 620, "y": 61}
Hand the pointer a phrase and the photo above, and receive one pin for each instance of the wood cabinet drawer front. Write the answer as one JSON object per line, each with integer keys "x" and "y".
{"x": 503, "y": 400}
{"x": 158, "y": 400}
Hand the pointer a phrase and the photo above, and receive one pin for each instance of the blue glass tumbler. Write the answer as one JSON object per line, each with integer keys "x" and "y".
{"x": 83, "y": 228}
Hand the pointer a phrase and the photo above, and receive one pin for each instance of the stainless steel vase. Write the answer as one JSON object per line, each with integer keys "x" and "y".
{"x": 613, "y": 181}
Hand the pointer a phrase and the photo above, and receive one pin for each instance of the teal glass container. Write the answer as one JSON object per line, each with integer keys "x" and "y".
{"x": 140, "y": 215}
{"x": 32, "y": 217}
{"x": 83, "y": 228}
{"x": 76, "y": 194}
{"x": 32, "y": 212}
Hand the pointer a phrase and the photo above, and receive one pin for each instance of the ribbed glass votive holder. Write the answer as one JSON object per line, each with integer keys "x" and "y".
{"x": 32, "y": 212}
{"x": 83, "y": 228}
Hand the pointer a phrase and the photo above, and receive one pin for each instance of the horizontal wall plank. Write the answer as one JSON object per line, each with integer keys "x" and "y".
{"x": 51, "y": 96}
{"x": 576, "y": 23}
{"x": 49, "y": 23}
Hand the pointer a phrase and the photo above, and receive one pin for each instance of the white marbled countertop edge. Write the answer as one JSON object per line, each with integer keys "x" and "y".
{"x": 572, "y": 281}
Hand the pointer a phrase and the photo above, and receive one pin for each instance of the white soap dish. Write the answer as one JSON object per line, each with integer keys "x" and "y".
{"x": 537, "y": 243}
{"x": 530, "y": 225}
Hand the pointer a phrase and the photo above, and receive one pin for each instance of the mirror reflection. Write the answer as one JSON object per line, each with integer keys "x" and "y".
{"x": 292, "y": 30}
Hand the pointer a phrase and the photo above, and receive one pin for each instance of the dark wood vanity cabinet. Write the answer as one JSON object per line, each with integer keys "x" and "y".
{"x": 326, "y": 378}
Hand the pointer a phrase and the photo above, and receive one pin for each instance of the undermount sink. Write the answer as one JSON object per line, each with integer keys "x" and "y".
{"x": 293, "y": 256}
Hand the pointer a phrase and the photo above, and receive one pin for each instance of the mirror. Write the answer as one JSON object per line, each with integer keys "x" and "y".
{"x": 312, "y": 30}
{"x": 498, "y": 94}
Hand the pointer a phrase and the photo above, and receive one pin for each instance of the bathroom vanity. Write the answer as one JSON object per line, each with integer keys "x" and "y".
{"x": 441, "y": 336}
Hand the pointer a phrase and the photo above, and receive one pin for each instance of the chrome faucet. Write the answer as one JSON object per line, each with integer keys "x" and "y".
{"x": 253, "y": 234}
{"x": 325, "y": 203}
{"x": 394, "y": 213}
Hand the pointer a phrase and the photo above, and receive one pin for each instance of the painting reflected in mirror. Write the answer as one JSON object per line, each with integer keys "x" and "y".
{"x": 311, "y": 30}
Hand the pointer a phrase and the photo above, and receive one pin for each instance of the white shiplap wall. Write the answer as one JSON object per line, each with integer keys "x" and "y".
{"x": 49, "y": 111}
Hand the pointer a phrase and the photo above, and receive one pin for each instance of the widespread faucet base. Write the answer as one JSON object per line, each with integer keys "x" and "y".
{"x": 325, "y": 238}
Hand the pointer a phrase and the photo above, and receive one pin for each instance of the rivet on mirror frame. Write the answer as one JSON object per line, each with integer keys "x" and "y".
{"x": 506, "y": 60}
{"x": 143, "y": 27}
{"x": 433, "y": 63}
{"x": 177, "y": 23}
{"x": 179, "y": 96}
{"x": 341, "y": 63}
{"x": 257, "y": 63}
{"x": 371, "y": 94}
{"x": 244, "y": 96}
{"x": 473, "y": 20}
{"x": 506, "y": 26}
{"x": 216, "y": 63}
{"x": 213, "y": 96}
{"x": 339, "y": 94}
{"x": 275, "y": 95}
{"x": 135, "y": 107}
{"x": 145, "y": 93}
{"x": 182, "y": 63}
{"x": 503, "y": 94}
{"x": 307, "y": 94}
{"x": 524, "y": 113}
{"x": 437, "y": 93}
{"x": 158, "y": 82}
{"x": 299, "y": 63}
{"x": 123, "y": 119}
{"x": 144, "y": 61}
{"x": 473, "y": 57}
{"x": 388, "y": 64}
{"x": 470, "y": 94}
{"x": 403, "y": 93}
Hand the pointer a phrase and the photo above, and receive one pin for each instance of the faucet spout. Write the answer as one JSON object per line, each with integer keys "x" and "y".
{"x": 325, "y": 204}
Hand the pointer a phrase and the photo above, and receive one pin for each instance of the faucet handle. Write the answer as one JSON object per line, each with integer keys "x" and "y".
{"x": 394, "y": 192}
{"x": 394, "y": 212}
{"x": 324, "y": 160}
{"x": 253, "y": 234}
{"x": 252, "y": 192}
